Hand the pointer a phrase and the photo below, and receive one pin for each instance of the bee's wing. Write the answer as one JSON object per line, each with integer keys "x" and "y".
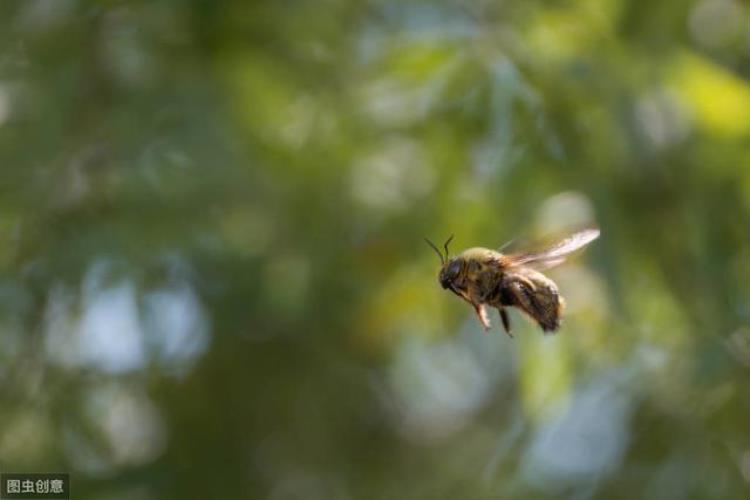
{"x": 555, "y": 254}
{"x": 541, "y": 265}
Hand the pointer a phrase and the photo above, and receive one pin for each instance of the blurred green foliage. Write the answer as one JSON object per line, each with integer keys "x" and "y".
{"x": 212, "y": 270}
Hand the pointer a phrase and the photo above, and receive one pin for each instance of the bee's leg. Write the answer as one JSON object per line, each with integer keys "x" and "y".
{"x": 482, "y": 315}
{"x": 506, "y": 321}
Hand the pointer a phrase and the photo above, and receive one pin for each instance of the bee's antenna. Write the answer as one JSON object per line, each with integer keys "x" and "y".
{"x": 446, "y": 246}
{"x": 442, "y": 259}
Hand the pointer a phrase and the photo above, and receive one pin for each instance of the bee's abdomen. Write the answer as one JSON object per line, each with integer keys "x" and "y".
{"x": 549, "y": 312}
{"x": 536, "y": 295}
{"x": 546, "y": 304}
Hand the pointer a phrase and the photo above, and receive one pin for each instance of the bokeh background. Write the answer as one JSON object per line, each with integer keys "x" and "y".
{"x": 212, "y": 272}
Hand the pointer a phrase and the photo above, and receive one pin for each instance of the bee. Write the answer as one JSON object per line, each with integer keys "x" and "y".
{"x": 484, "y": 277}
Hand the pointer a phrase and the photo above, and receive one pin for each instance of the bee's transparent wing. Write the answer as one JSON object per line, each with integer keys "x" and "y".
{"x": 541, "y": 265}
{"x": 555, "y": 254}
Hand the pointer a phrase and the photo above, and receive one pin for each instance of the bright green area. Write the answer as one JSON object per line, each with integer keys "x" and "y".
{"x": 212, "y": 272}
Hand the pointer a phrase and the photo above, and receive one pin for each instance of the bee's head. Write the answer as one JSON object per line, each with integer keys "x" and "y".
{"x": 449, "y": 272}
{"x": 450, "y": 267}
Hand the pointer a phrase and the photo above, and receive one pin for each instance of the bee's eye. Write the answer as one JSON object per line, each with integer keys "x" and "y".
{"x": 449, "y": 273}
{"x": 453, "y": 269}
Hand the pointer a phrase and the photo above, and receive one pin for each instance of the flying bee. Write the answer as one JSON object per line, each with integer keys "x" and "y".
{"x": 484, "y": 277}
